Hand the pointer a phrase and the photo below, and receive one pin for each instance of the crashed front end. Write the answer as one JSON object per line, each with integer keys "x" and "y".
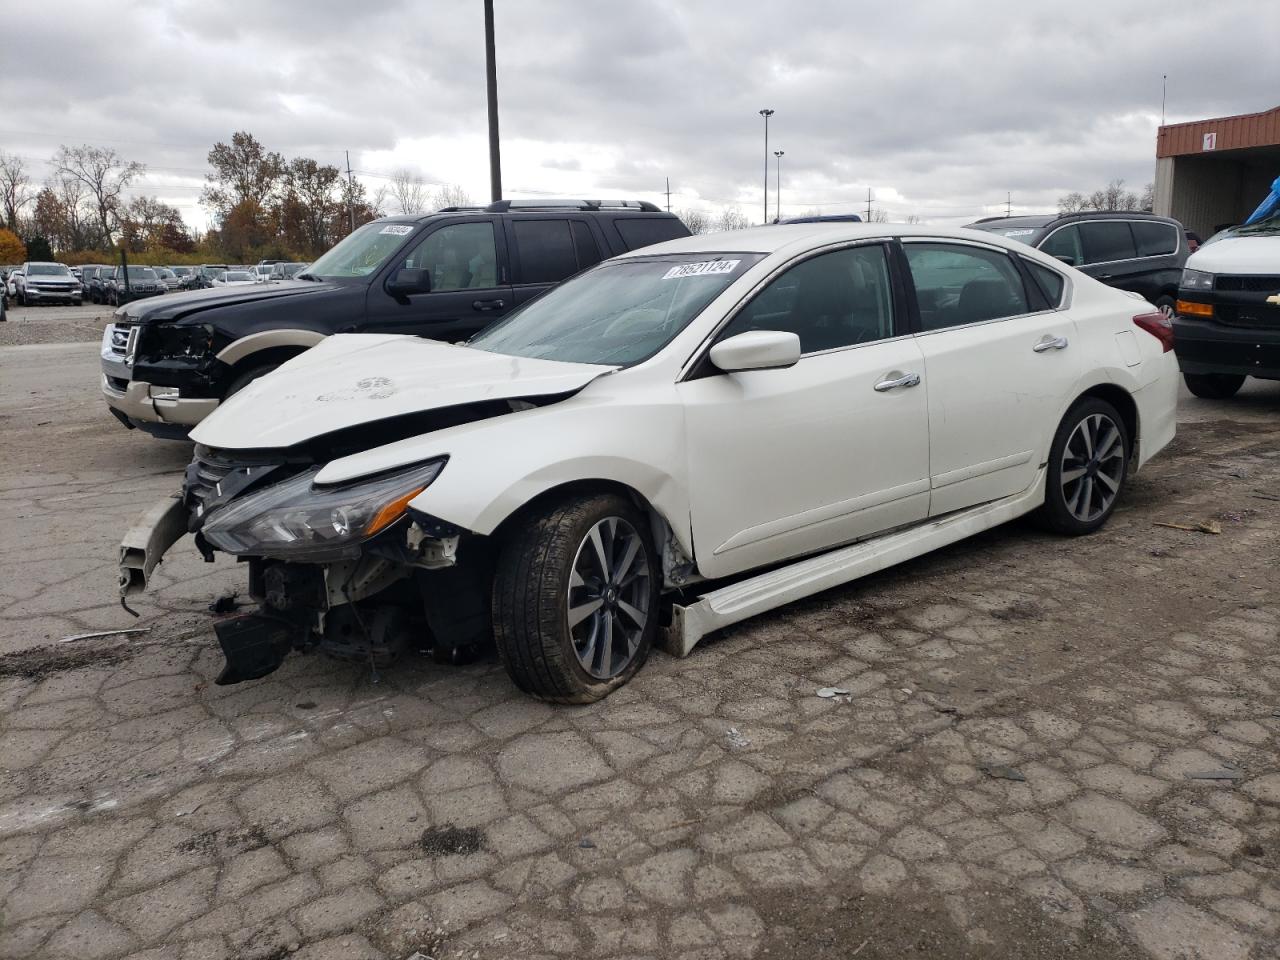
{"x": 347, "y": 569}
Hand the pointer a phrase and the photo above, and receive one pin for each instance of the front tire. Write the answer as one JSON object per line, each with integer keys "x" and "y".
{"x": 1214, "y": 386}
{"x": 575, "y": 598}
{"x": 1088, "y": 465}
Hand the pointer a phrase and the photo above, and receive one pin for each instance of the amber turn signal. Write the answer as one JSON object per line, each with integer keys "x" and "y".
{"x": 1189, "y": 309}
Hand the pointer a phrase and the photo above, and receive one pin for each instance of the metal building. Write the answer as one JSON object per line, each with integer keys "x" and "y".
{"x": 1211, "y": 173}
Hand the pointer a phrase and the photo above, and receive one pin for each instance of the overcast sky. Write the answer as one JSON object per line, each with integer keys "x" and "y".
{"x": 941, "y": 108}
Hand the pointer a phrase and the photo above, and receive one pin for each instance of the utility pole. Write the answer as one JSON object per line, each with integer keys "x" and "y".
{"x": 491, "y": 85}
{"x": 1008, "y": 204}
{"x": 1164, "y": 94}
{"x": 766, "y": 113}
{"x": 868, "y": 204}
{"x": 351, "y": 190}
{"x": 777, "y": 214}
{"x": 668, "y": 194}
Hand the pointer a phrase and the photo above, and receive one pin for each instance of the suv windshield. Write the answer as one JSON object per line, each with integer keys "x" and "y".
{"x": 362, "y": 252}
{"x": 48, "y": 270}
{"x": 618, "y": 314}
{"x": 141, "y": 273}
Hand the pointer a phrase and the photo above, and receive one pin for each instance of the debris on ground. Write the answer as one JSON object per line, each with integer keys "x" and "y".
{"x": 586, "y": 843}
{"x": 224, "y": 604}
{"x": 736, "y": 738}
{"x": 828, "y": 693}
{"x": 1223, "y": 774}
{"x": 1000, "y": 772}
{"x": 1203, "y": 526}
{"x": 103, "y": 633}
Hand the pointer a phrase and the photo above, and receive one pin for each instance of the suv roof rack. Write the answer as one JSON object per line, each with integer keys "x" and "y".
{"x": 503, "y": 206}
{"x": 459, "y": 209}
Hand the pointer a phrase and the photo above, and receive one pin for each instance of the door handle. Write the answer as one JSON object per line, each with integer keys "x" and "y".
{"x": 1050, "y": 342}
{"x": 1103, "y": 276}
{"x": 892, "y": 383}
{"x": 485, "y": 305}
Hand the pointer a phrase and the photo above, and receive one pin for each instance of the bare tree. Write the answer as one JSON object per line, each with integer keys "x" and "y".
{"x": 696, "y": 220}
{"x": 1147, "y": 203}
{"x": 732, "y": 218}
{"x": 408, "y": 191}
{"x": 879, "y": 215}
{"x": 1073, "y": 202}
{"x": 15, "y": 188}
{"x": 1114, "y": 197}
{"x": 450, "y": 195}
{"x": 913, "y": 218}
{"x": 104, "y": 173}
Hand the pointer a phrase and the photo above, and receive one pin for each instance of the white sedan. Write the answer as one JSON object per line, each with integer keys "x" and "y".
{"x": 813, "y": 401}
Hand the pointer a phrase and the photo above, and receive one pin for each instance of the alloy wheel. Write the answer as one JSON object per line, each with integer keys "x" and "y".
{"x": 609, "y": 597}
{"x": 1092, "y": 467}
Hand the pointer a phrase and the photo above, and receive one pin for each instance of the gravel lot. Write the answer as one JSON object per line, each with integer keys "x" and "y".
{"x": 1017, "y": 773}
{"x": 54, "y": 324}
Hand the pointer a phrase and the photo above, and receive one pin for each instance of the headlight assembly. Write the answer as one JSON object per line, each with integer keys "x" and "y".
{"x": 297, "y": 520}
{"x": 1196, "y": 280}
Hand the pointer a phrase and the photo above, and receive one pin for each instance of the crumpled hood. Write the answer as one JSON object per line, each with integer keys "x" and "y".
{"x": 1258, "y": 254}
{"x": 351, "y": 379}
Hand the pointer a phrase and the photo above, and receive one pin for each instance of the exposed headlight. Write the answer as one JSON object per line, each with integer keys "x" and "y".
{"x": 295, "y": 519}
{"x": 1196, "y": 280}
{"x": 173, "y": 341}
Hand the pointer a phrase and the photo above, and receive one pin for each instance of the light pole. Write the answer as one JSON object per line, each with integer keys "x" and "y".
{"x": 491, "y": 87}
{"x": 766, "y": 113}
{"x": 778, "y": 207}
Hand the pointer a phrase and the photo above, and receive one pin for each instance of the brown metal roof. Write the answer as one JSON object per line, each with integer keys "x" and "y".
{"x": 1232, "y": 133}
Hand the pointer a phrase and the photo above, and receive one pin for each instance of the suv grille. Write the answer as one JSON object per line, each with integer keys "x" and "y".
{"x": 1269, "y": 283}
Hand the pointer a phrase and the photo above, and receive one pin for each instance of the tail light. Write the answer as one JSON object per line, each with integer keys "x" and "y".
{"x": 1159, "y": 326}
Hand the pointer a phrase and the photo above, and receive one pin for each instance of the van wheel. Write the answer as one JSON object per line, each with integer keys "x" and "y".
{"x": 1166, "y": 305}
{"x": 1088, "y": 465}
{"x": 575, "y": 599}
{"x": 1214, "y": 386}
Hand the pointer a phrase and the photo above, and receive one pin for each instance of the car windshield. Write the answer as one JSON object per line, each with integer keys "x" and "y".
{"x": 1267, "y": 227}
{"x": 141, "y": 273}
{"x": 362, "y": 252}
{"x": 181, "y": 271}
{"x": 48, "y": 270}
{"x": 237, "y": 275}
{"x": 620, "y": 313}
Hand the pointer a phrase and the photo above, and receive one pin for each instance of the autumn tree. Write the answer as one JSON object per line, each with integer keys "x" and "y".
{"x": 12, "y": 249}
{"x": 243, "y": 191}
{"x": 310, "y": 205}
{"x": 153, "y": 225}
{"x": 105, "y": 175}
{"x": 15, "y": 188}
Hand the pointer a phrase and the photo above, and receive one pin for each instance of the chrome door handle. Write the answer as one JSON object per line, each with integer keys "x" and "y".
{"x": 1049, "y": 342}
{"x": 906, "y": 380}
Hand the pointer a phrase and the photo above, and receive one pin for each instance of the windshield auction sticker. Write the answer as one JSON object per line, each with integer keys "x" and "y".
{"x": 703, "y": 268}
{"x": 397, "y": 229}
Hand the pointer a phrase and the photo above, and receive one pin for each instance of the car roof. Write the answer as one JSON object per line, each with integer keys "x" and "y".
{"x": 796, "y": 237}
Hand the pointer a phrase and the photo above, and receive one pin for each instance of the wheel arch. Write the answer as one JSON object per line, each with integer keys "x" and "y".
{"x": 1125, "y": 405}
{"x": 256, "y": 346}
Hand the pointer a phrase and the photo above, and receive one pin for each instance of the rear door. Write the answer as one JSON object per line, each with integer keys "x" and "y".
{"x": 470, "y": 283}
{"x": 999, "y": 364}
{"x": 1110, "y": 254}
{"x": 1160, "y": 259}
{"x": 546, "y": 250}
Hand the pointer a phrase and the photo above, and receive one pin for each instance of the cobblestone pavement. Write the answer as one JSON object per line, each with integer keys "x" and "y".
{"x": 1049, "y": 748}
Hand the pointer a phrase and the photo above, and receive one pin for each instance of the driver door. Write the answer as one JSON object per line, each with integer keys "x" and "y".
{"x": 470, "y": 286}
{"x": 792, "y": 461}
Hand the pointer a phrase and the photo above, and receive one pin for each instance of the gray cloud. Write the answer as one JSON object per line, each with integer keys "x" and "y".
{"x": 939, "y": 108}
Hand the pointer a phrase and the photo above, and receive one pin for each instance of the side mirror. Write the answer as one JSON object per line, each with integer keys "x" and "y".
{"x": 407, "y": 281}
{"x": 757, "y": 350}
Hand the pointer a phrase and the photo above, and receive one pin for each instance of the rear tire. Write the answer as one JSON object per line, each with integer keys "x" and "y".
{"x": 1088, "y": 465}
{"x": 575, "y": 598}
{"x": 1214, "y": 386}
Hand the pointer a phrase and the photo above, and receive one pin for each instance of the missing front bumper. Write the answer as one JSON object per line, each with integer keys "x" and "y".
{"x": 146, "y": 542}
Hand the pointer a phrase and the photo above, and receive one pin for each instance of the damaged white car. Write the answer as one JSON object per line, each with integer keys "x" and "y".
{"x": 669, "y": 442}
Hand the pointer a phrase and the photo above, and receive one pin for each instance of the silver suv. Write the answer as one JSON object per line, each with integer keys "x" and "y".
{"x": 43, "y": 282}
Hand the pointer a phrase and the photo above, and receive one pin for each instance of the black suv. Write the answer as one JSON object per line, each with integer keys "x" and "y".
{"x": 1130, "y": 251}
{"x": 167, "y": 364}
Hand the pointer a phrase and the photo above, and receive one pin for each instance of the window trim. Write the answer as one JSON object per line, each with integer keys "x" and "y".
{"x": 1125, "y": 220}
{"x": 694, "y": 365}
{"x": 992, "y": 248}
{"x": 1064, "y": 299}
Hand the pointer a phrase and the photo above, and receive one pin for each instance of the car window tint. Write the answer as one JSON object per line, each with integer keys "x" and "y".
{"x": 956, "y": 285}
{"x": 461, "y": 256}
{"x": 1107, "y": 240}
{"x": 1154, "y": 238}
{"x": 642, "y": 231}
{"x": 834, "y": 300}
{"x": 1051, "y": 282}
{"x": 588, "y": 249}
{"x": 545, "y": 250}
{"x": 1064, "y": 244}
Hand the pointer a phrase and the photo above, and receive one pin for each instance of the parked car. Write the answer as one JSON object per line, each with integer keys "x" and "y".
{"x": 443, "y": 275}
{"x": 812, "y": 401}
{"x": 166, "y": 276}
{"x": 88, "y": 272}
{"x": 140, "y": 283}
{"x": 46, "y": 282}
{"x": 235, "y": 278}
{"x": 202, "y": 277}
{"x": 1129, "y": 251}
{"x": 182, "y": 274}
{"x": 11, "y": 281}
{"x": 1227, "y": 326}
{"x": 286, "y": 271}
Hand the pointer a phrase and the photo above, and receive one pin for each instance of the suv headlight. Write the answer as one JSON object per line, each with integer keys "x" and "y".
{"x": 1196, "y": 280}
{"x": 295, "y": 519}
